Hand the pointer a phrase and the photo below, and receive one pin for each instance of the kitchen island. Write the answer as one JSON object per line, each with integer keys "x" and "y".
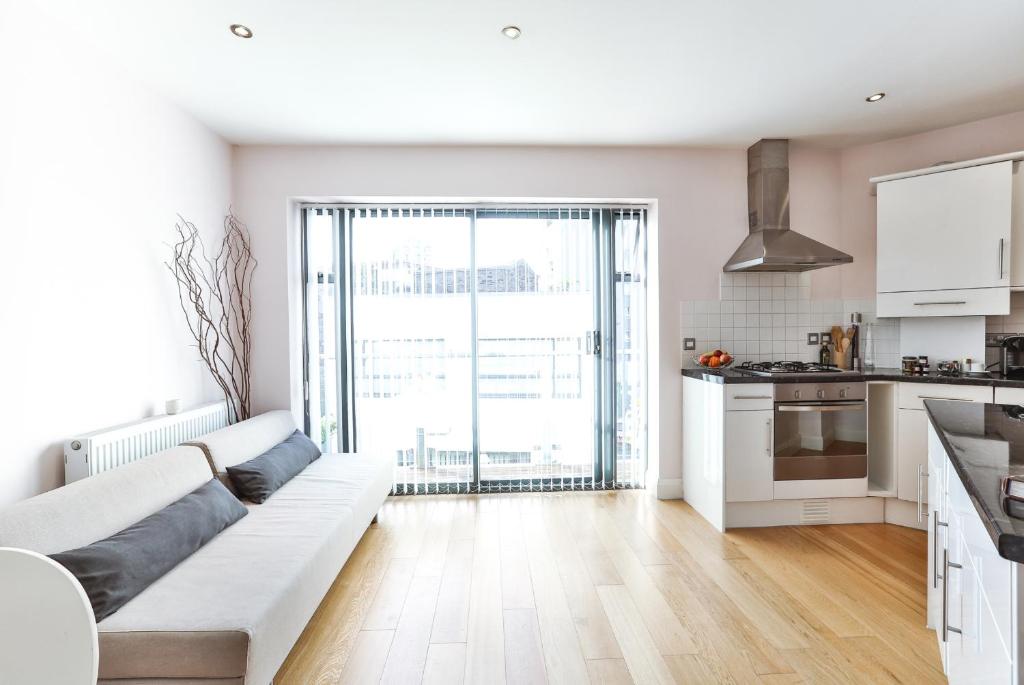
{"x": 975, "y": 539}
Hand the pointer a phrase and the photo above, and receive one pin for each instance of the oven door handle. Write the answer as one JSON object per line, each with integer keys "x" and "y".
{"x": 833, "y": 406}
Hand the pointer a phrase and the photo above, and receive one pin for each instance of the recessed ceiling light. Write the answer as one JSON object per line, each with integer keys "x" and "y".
{"x": 241, "y": 31}
{"x": 875, "y": 98}
{"x": 512, "y": 32}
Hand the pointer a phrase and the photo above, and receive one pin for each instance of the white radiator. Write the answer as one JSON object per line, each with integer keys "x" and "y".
{"x": 102, "y": 450}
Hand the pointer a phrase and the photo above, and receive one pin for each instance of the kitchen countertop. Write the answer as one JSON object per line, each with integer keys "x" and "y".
{"x": 985, "y": 443}
{"x": 736, "y": 376}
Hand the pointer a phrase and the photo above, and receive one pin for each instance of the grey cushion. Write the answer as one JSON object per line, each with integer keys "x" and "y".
{"x": 96, "y": 507}
{"x": 117, "y": 568}
{"x": 257, "y": 479}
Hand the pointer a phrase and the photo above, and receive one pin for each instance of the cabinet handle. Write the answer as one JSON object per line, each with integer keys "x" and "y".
{"x": 768, "y": 445}
{"x": 946, "y": 565}
{"x": 922, "y": 304}
{"x": 950, "y": 399}
{"x": 935, "y": 547}
{"x": 920, "y": 493}
{"x": 1002, "y": 242}
{"x": 752, "y": 397}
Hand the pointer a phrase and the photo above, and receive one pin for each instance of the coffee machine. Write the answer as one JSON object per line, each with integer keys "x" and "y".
{"x": 1011, "y": 356}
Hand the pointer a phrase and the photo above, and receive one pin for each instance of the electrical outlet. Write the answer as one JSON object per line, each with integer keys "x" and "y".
{"x": 826, "y": 338}
{"x": 812, "y": 339}
{"x": 689, "y": 343}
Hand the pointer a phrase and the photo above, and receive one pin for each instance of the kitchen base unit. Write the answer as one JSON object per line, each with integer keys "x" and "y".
{"x": 975, "y": 540}
{"x": 758, "y": 455}
{"x": 810, "y": 449}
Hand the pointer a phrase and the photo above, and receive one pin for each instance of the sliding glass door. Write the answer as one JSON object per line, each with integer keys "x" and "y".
{"x": 412, "y": 369}
{"x": 480, "y": 348}
{"x": 536, "y": 372}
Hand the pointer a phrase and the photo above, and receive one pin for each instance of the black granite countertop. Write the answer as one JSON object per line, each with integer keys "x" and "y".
{"x": 737, "y": 376}
{"x": 985, "y": 442}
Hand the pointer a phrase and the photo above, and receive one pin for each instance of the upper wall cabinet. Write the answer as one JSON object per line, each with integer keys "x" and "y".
{"x": 946, "y": 242}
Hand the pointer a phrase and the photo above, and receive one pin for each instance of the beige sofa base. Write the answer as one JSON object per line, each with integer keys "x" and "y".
{"x": 190, "y": 654}
{"x": 173, "y": 681}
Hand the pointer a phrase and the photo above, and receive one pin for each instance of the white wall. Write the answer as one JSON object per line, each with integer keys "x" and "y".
{"x": 93, "y": 170}
{"x": 701, "y": 218}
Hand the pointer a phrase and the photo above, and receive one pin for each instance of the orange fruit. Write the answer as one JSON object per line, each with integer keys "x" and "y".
{"x": 715, "y": 362}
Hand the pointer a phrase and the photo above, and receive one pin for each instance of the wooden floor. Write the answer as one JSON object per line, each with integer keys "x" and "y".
{"x": 616, "y": 588}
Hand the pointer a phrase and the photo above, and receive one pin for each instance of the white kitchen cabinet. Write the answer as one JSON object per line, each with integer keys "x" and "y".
{"x": 913, "y": 395}
{"x": 1009, "y": 396}
{"x": 976, "y": 650}
{"x": 944, "y": 242}
{"x": 912, "y": 450}
{"x": 1017, "y": 229}
{"x": 937, "y": 527}
{"x": 703, "y": 448}
{"x": 963, "y": 302}
{"x": 911, "y": 434}
{"x": 747, "y": 396}
{"x": 748, "y": 456}
{"x": 978, "y": 630}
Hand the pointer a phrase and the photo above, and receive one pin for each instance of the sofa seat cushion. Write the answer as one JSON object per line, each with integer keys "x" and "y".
{"x": 262, "y": 578}
{"x": 356, "y": 481}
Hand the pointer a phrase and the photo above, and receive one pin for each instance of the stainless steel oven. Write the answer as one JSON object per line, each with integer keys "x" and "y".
{"x": 820, "y": 431}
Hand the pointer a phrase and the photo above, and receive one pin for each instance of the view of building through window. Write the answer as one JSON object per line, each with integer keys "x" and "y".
{"x": 467, "y": 333}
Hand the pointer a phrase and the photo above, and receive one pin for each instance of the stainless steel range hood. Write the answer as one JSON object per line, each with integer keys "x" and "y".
{"x": 771, "y": 246}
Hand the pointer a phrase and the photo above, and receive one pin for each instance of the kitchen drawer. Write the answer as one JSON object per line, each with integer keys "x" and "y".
{"x": 749, "y": 396}
{"x": 1010, "y": 395}
{"x": 978, "y": 654}
{"x": 970, "y": 302}
{"x": 995, "y": 574}
{"x": 913, "y": 395}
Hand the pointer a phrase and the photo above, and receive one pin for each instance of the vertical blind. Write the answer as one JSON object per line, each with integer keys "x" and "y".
{"x": 480, "y": 348}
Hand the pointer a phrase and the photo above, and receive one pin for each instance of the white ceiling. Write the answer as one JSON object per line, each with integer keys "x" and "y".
{"x": 605, "y": 72}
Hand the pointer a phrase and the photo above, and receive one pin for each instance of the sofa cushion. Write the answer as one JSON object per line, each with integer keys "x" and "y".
{"x": 117, "y": 568}
{"x": 96, "y": 507}
{"x": 245, "y": 440}
{"x": 357, "y": 481}
{"x": 258, "y": 478}
{"x": 262, "y": 577}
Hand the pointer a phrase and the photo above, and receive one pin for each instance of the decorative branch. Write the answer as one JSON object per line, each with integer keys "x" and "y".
{"x": 215, "y": 295}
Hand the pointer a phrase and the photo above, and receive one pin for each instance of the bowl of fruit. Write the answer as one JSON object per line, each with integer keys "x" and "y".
{"x": 714, "y": 360}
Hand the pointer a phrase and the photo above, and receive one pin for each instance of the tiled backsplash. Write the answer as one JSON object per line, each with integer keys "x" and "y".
{"x": 767, "y": 316}
{"x": 1012, "y": 322}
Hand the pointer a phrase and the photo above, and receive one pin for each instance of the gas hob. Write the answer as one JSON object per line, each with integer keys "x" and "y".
{"x": 784, "y": 368}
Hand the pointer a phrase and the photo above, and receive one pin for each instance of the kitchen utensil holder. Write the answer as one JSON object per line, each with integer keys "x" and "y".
{"x": 841, "y": 359}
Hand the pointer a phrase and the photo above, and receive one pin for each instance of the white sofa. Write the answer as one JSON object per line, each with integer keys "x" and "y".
{"x": 230, "y": 613}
